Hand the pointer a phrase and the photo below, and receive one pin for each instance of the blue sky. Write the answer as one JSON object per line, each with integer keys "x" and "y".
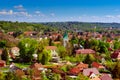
{"x": 60, "y": 10}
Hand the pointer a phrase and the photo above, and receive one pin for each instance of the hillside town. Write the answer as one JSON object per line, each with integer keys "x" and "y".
{"x": 60, "y": 55}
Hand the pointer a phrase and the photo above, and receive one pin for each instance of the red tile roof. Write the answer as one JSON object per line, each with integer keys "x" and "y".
{"x": 36, "y": 65}
{"x": 2, "y": 63}
{"x": 97, "y": 65}
{"x": 77, "y": 69}
{"x": 51, "y": 47}
{"x": 85, "y": 51}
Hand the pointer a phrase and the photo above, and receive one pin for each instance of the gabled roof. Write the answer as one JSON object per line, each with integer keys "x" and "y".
{"x": 78, "y": 68}
{"x": 86, "y": 72}
{"x": 51, "y": 47}
{"x": 36, "y": 65}
{"x": 97, "y": 65}
{"x": 105, "y": 77}
{"x": 85, "y": 51}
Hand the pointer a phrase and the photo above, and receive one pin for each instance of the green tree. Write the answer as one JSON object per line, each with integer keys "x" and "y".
{"x": 116, "y": 44}
{"x": 89, "y": 59}
{"x": 94, "y": 44}
{"x": 27, "y": 49}
{"x": 5, "y": 55}
{"x": 2, "y": 76}
{"x": 44, "y": 57}
{"x": 62, "y": 51}
{"x": 2, "y": 43}
{"x": 116, "y": 70}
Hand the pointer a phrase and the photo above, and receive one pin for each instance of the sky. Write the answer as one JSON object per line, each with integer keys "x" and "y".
{"x": 60, "y": 10}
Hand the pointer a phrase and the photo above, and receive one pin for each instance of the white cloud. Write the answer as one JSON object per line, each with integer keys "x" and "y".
{"x": 110, "y": 16}
{"x": 19, "y": 7}
{"x": 4, "y": 12}
{"x": 39, "y": 13}
{"x": 52, "y": 14}
{"x": 118, "y": 16}
{"x": 12, "y": 13}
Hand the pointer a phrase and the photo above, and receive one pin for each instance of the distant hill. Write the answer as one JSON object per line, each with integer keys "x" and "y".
{"x": 7, "y": 26}
{"x": 81, "y": 24}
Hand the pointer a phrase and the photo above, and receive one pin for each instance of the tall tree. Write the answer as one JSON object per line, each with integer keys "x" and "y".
{"x": 27, "y": 49}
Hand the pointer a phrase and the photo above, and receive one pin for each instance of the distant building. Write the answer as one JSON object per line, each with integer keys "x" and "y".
{"x": 85, "y": 51}
{"x": 88, "y": 71}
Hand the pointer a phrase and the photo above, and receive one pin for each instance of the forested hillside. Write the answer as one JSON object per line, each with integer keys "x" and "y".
{"x": 7, "y": 26}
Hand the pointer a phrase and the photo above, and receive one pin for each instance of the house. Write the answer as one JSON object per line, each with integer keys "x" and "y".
{"x": 38, "y": 68}
{"x": 87, "y": 72}
{"x": 56, "y": 36}
{"x": 57, "y": 42}
{"x": 20, "y": 73}
{"x": 36, "y": 65}
{"x": 55, "y": 57}
{"x": 116, "y": 55}
{"x": 97, "y": 65}
{"x": 13, "y": 68}
{"x": 15, "y": 51}
{"x": 10, "y": 33}
{"x": 36, "y": 74}
{"x": 30, "y": 33}
{"x": 93, "y": 76}
{"x": 105, "y": 77}
{"x": 85, "y": 51}
{"x": 2, "y": 63}
{"x": 78, "y": 68}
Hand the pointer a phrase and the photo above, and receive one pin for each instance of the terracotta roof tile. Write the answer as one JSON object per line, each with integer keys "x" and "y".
{"x": 97, "y": 65}
{"x": 51, "y": 47}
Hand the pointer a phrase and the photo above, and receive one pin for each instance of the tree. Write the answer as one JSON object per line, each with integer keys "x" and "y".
{"x": 116, "y": 70}
{"x": 94, "y": 44}
{"x": 2, "y": 43}
{"x": 42, "y": 53}
{"x": 116, "y": 44}
{"x": 89, "y": 59}
{"x": 103, "y": 47}
{"x": 2, "y": 75}
{"x": 62, "y": 51}
{"x": 27, "y": 49}
{"x": 5, "y": 55}
{"x": 44, "y": 57}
